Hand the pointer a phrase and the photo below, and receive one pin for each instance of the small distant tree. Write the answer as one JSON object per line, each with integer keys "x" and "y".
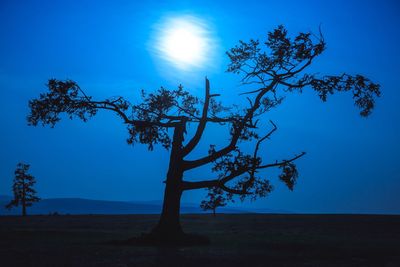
{"x": 215, "y": 199}
{"x": 23, "y": 183}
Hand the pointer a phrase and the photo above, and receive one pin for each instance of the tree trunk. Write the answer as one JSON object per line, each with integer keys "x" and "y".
{"x": 168, "y": 231}
{"x": 23, "y": 208}
{"x": 23, "y": 200}
{"x": 169, "y": 225}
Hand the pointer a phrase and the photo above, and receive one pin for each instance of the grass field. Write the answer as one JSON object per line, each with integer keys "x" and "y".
{"x": 237, "y": 240}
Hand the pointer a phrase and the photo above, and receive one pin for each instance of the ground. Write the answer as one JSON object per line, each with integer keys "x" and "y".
{"x": 236, "y": 240}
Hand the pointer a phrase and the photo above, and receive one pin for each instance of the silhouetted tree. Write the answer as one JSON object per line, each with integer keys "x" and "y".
{"x": 23, "y": 191}
{"x": 215, "y": 199}
{"x": 272, "y": 69}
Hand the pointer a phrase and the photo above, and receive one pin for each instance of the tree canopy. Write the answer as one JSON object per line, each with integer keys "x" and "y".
{"x": 273, "y": 68}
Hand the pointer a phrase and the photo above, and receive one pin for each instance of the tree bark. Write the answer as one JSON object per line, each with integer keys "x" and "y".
{"x": 169, "y": 225}
{"x": 23, "y": 208}
{"x": 23, "y": 200}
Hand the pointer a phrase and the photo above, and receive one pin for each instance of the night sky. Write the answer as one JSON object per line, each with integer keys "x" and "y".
{"x": 110, "y": 49}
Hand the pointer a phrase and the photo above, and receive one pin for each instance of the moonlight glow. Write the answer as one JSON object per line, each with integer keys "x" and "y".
{"x": 183, "y": 42}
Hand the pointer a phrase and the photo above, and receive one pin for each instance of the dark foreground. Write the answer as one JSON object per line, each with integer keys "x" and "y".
{"x": 237, "y": 240}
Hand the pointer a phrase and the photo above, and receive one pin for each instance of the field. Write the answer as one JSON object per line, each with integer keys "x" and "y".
{"x": 237, "y": 240}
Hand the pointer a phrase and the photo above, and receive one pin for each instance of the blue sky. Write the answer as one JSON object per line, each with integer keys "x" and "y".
{"x": 351, "y": 163}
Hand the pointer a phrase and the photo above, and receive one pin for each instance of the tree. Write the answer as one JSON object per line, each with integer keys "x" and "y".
{"x": 215, "y": 199}
{"x": 23, "y": 191}
{"x": 271, "y": 69}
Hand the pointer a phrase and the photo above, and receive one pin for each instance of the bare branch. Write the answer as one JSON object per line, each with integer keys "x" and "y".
{"x": 267, "y": 136}
{"x": 236, "y": 135}
{"x": 186, "y": 185}
{"x": 202, "y": 124}
{"x": 234, "y": 191}
{"x": 281, "y": 163}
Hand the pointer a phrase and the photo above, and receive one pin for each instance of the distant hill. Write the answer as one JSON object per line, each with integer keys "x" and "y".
{"x": 82, "y": 206}
{"x": 88, "y": 206}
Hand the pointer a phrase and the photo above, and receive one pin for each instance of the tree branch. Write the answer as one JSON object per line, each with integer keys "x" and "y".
{"x": 237, "y": 132}
{"x": 107, "y": 105}
{"x": 202, "y": 124}
{"x": 281, "y": 163}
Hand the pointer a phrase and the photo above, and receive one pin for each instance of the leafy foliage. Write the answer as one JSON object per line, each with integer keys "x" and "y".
{"x": 282, "y": 60}
{"x": 155, "y": 110}
{"x": 253, "y": 187}
{"x": 235, "y": 161}
{"x": 289, "y": 174}
{"x": 63, "y": 97}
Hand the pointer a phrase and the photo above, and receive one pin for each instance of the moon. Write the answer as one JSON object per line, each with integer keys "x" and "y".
{"x": 184, "y": 42}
